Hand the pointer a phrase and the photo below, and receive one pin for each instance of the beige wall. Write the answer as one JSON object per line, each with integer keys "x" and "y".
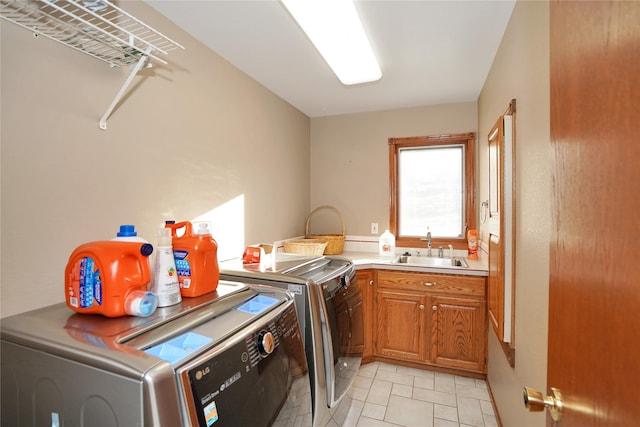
{"x": 521, "y": 71}
{"x": 188, "y": 138}
{"x": 350, "y": 159}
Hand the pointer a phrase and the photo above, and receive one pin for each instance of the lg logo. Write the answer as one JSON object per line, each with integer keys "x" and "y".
{"x": 201, "y": 373}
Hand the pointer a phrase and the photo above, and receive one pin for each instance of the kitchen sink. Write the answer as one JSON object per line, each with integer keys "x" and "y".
{"x": 432, "y": 262}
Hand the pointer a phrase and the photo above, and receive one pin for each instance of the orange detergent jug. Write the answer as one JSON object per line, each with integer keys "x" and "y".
{"x": 196, "y": 256}
{"x": 110, "y": 278}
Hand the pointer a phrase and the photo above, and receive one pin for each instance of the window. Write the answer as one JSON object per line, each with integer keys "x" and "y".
{"x": 432, "y": 188}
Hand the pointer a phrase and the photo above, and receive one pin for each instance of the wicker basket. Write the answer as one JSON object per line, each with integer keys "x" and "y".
{"x": 335, "y": 242}
{"x": 305, "y": 246}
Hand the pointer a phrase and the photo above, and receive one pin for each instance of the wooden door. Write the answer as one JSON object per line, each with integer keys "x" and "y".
{"x": 502, "y": 230}
{"x": 400, "y": 325}
{"x": 496, "y": 229}
{"x": 458, "y": 333}
{"x": 495, "y": 285}
{"x": 594, "y": 295}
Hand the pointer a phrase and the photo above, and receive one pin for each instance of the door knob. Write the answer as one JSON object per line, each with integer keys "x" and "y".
{"x": 534, "y": 401}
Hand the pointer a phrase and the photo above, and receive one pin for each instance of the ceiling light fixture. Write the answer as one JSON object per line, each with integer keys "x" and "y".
{"x": 334, "y": 27}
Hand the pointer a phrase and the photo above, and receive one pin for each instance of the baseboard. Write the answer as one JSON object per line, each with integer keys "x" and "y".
{"x": 493, "y": 404}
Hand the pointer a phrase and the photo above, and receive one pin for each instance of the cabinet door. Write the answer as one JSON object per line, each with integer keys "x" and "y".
{"x": 458, "y": 333}
{"x": 365, "y": 280}
{"x": 399, "y": 325}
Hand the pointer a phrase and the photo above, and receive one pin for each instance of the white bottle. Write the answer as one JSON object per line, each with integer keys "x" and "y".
{"x": 165, "y": 279}
{"x": 387, "y": 244}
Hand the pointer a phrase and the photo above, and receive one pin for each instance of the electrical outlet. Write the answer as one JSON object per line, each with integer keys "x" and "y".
{"x": 374, "y": 228}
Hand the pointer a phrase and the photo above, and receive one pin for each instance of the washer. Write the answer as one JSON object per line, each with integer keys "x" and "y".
{"x": 329, "y": 305}
{"x": 230, "y": 358}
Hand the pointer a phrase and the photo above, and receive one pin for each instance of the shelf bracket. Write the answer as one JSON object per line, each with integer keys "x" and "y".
{"x": 139, "y": 66}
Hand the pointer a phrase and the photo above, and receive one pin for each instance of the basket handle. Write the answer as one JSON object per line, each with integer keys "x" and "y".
{"x": 306, "y": 228}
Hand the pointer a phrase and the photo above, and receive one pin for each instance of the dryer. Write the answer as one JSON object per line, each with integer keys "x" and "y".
{"x": 329, "y": 305}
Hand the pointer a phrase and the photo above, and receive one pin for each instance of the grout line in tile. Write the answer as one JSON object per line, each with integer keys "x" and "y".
{"x": 433, "y": 386}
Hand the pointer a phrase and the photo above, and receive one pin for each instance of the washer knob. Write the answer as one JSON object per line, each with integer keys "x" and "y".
{"x": 266, "y": 343}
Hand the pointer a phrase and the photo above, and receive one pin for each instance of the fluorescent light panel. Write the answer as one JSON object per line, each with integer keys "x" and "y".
{"x": 334, "y": 27}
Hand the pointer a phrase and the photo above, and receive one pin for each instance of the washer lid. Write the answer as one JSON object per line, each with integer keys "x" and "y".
{"x": 291, "y": 264}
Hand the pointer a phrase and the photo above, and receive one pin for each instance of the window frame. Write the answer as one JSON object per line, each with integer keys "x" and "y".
{"x": 467, "y": 139}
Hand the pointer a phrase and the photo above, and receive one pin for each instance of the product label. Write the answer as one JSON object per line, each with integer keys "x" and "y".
{"x": 211, "y": 413}
{"x": 183, "y": 266}
{"x": 166, "y": 280}
{"x": 89, "y": 284}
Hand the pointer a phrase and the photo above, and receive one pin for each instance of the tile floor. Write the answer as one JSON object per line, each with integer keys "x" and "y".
{"x": 387, "y": 395}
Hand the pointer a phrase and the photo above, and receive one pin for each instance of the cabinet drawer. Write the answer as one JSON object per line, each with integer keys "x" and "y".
{"x": 432, "y": 282}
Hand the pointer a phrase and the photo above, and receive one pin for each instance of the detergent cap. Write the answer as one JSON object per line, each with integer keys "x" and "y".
{"x": 203, "y": 228}
{"x": 146, "y": 249}
{"x": 141, "y": 303}
{"x": 127, "y": 230}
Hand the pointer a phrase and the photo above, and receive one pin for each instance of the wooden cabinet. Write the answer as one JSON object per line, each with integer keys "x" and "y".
{"x": 458, "y": 333}
{"x": 365, "y": 282}
{"x": 434, "y": 319}
{"x": 401, "y": 325}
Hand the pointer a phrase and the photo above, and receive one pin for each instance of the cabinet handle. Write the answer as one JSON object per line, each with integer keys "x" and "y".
{"x": 428, "y": 283}
{"x": 434, "y": 308}
{"x": 421, "y": 307}
{"x": 370, "y": 282}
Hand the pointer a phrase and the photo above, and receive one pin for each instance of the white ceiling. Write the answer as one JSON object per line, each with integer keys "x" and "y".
{"x": 430, "y": 52}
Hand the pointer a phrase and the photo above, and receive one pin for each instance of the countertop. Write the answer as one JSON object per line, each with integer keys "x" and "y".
{"x": 371, "y": 260}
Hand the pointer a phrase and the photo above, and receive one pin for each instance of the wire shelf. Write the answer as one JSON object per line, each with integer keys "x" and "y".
{"x": 95, "y": 27}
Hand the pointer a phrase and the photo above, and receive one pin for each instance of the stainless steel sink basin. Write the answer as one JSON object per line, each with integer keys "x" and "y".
{"x": 432, "y": 262}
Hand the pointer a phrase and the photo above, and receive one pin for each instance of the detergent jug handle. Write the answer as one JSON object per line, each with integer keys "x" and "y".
{"x": 140, "y": 302}
{"x": 175, "y": 226}
{"x": 171, "y": 225}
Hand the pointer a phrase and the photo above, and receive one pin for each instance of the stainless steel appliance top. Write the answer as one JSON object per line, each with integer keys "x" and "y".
{"x": 291, "y": 268}
{"x": 144, "y": 370}
{"x": 115, "y": 344}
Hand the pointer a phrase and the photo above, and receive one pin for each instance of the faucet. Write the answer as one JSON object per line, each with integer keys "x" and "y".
{"x": 428, "y": 242}
{"x": 440, "y": 252}
{"x": 451, "y": 251}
